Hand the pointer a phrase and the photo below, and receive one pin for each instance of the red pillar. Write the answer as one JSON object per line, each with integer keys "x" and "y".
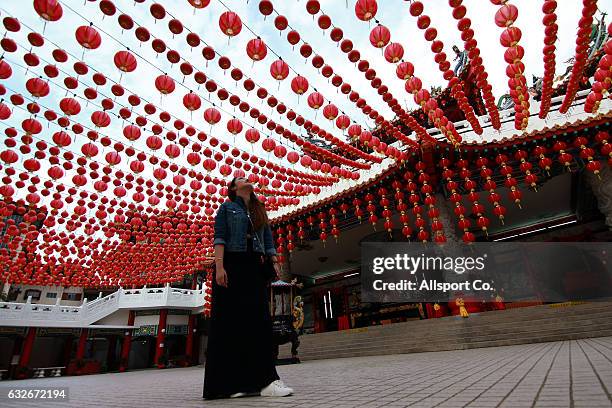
{"x": 26, "y": 352}
{"x": 127, "y": 344}
{"x": 80, "y": 352}
{"x": 161, "y": 336}
{"x": 189, "y": 342}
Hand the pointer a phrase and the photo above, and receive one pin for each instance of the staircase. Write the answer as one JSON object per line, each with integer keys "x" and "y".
{"x": 489, "y": 329}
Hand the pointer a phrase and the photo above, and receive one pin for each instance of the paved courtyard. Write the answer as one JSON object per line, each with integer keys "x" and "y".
{"x": 561, "y": 374}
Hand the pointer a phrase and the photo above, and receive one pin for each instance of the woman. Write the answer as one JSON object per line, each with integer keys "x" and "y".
{"x": 240, "y": 353}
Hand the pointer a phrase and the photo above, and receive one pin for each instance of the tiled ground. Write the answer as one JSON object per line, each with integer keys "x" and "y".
{"x": 562, "y": 374}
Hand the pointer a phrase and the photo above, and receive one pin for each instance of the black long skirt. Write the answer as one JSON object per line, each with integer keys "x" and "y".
{"x": 240, "y": 351}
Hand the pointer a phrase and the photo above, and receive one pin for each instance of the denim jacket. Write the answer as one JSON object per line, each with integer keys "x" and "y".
{"x": 231, "y": 225}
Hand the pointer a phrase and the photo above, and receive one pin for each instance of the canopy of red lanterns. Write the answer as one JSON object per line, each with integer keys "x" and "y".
{"x": 105, "y": 185}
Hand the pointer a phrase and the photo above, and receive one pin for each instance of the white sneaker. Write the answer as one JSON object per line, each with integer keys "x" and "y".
{"x": 276, "y": 389}
{"x": 238, "y": 395}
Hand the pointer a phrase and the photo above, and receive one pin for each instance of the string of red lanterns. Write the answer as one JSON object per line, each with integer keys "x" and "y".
{"x": 437, "y": 46}
{"x": 582, "y": 51}
{"x": 475, "y": 60}
{"x": 550, "y": 38}
{"x": 506, "y": 17}
{"x": 346, "y": 46}
{"x": 225, "y": 63}
{"x": 602, "y": 78}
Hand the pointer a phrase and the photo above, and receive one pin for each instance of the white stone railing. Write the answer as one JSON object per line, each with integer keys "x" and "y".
{"x": 37, "y": 315}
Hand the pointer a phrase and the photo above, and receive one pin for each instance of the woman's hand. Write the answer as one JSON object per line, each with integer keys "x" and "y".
{"x": 278, "y": 268}
{"x": 221, "y": 277}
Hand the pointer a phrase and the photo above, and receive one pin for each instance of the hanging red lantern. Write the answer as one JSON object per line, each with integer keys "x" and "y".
{"x": 125, "y": 61}
{"x": 230, "y": 23}
{"x": 394, "y": 52}
{"x": 192, "y": 101}
{"x": 315, "y": 100}
{"x": 265, "y": 7}
{"x": 88, "y": 37}
{"x": 252, "y": 135}
{"x": 49, "y": 10}
{"x": 199, "y": 4}
{"x": 365, "y": 10}
{"x": 281, "y": 23}
{"x": 212, "y": 116}
{"x": 330, "y": 112}
{"x": 380, "y": 36}
{"x": 37, "y": 87}
{"x": 164, "y": 84}
{"x": 279, "y": 70}
{"x": 131, "y": 132}
{"x": 268, "y": 144}
{"x": 405, "y": 70}
{"x": 5, "y": 111}
{"x": 5, "y": 69}
{"x": 100, "y": 119}
{"x": 256, "y": 49}
{"x": 342, "y": 122}
{"x": 299, "y": 85}
{"x": 70, "y": 106}
{"x": 234, "y": 126}
{"x": 293, "y": 157}
{"x": 506, "y": 15}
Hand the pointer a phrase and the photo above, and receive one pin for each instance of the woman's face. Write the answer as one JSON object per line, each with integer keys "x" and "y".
{"x": 242, "y": 185}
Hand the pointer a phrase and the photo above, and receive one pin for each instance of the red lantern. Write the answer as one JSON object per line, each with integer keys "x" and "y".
{"x": 380, "y": 36}
{"x": 199, "y": 4}
{"x": 5, "y": 69}
{"x": 131, "y": 132}
{"x": 256, "y": 49}
{"x": 49, "y": 10}
{"x": 164, "y": 84}
{"x": 394, "y": 52}
{"x": 252, "y": 135}
{"x": 100, "y": 119}
{"x": 125, "y": 61}
{"x": 330, "y": 112}
{"x": 234, "y": 126}
{"x": 404, "y": 70}
{"x": 230, "y": 23}
{"x": 365, "y": 10}
{"x": 343, "y": 122}
{"x": 37, "y": 87}
{"x": 268, "y": 144}
{"x": 88, "y": 37}
{"x": 506, "y": 15}
{"x": 279, "y": 70}
{"x": 192, "y": 101}
{"x": 212, "y": 116}
{"x": 299, "y": 85}
{"x": 315, "y": 100}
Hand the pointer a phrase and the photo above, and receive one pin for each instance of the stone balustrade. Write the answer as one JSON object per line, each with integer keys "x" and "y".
{"x": 36, "y": 315}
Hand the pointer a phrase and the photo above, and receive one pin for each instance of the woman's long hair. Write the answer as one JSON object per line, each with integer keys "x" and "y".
{"x": 257, "y": 209}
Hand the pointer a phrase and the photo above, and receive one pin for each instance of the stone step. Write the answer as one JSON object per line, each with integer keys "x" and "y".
{"x": 456, "y": 327}
{"x": 488, "y": 329}
{"x": 531, "y": 313}
{"x": 460, "y": 339}
{"x": 445, "y": 346}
